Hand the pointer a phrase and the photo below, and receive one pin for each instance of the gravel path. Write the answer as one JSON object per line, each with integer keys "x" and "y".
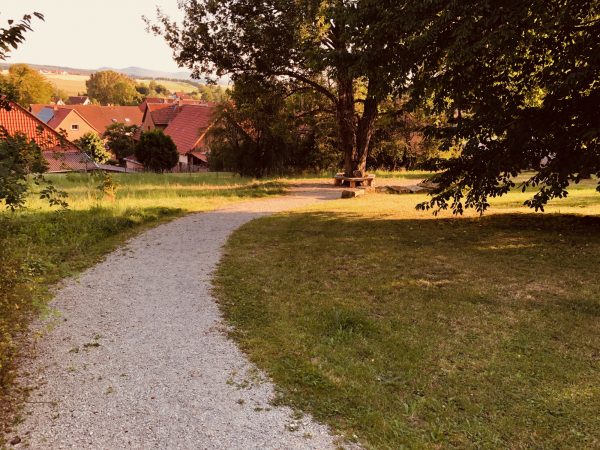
{"x": 138, "y": 358}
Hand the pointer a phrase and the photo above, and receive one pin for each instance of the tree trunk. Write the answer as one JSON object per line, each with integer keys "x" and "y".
{"x": 355, "y": 134}
{"x": 364, "y": 133}
{"x": 347, "y": 124}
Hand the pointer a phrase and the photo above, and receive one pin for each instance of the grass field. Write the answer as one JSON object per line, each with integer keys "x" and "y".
{"x": 402, "y": 330}
{"x": 41, "y": 246}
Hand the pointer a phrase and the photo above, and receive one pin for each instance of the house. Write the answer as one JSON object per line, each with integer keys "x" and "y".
{"x": 68, "y": 120}
{"x": 84, "y": 118}
{"x": 60, "y": 154}
{"x": 188, "y": 130}
{"x": 100, "y": 117}
{"x": 79, "y": 100}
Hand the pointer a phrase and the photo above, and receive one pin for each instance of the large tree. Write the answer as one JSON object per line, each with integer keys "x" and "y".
{"x": 519, "y": 83}
{"x": 109, "y": 87}
{"x": 28, "y": 85}
{"x": 351, "y": 52}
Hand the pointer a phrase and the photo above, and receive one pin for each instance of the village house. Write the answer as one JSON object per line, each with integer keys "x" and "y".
{"x": 68, "y": 120}
{"x": 59, "y": 152}
{"x": 77, "y": 120}
{"x": 188, "y": 130}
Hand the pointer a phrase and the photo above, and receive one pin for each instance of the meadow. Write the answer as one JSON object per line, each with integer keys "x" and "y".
{"x": 404, "y": 330}
{"x": 40, "y": 245}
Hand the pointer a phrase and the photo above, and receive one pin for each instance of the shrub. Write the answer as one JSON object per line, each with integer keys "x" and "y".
{"x": 156, "y": 151}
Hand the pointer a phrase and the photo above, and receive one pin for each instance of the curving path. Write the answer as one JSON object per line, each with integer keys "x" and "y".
{"x": 138, "y": 357}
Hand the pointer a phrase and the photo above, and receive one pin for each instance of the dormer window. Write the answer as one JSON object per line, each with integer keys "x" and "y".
{"x": 74, "y": 127}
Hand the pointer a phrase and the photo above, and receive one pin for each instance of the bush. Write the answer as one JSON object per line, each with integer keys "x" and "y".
{"x": 156, "y": 151}
{"x": 91, "y": 144}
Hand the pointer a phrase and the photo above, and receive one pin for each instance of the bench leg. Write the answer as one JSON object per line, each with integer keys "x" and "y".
{"x": 352, "y": 184}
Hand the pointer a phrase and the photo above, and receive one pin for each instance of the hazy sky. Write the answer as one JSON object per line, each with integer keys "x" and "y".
{"x": 89, "y": 34}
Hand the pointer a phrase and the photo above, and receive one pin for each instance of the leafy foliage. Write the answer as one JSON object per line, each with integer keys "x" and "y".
{"x": 261, "y": 132}
{"x": 519, "y": 84}
{"x": 398, "y": 140}
{"x": 11, "y": 37}
{"x": 331, "y": 48}
{"x": 27, "y": 85}
{"x": 152, "y": 89}
{"x": 156, "y": 151}
{"x": 109, "y": 87}
{"x": 119, "y": 139}
{"x": 19, "y": 157}
{"x": 91, "y": 144}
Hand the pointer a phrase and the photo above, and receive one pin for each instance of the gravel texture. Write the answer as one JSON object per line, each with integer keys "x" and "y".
{"x": 137, "y": 356}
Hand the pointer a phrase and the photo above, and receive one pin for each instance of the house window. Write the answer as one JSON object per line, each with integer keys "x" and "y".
{"x": 74, "y": 127}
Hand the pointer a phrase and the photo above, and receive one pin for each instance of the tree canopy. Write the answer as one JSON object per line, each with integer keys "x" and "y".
{"x": 513, "y": 85}
{"x": 27, "y": 85}
{"x": 351, "y": 53}
{"x": 520, "y": 85}
{"x": 109, "y": 87}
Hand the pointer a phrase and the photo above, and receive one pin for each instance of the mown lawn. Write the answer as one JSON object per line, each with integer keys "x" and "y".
{"x": 40, "y": 245}
{"x": 406, "y": 331}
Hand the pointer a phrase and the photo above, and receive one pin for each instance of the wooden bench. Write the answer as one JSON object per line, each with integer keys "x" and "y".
{"x": 339, "y": 179}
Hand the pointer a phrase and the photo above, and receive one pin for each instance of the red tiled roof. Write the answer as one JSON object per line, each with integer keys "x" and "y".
{"x": 189, "y": 126}
{"x": 161, "y": 113}
{"x": 18, "y": 119}
{"x": 149, "y": 100}
{"x": 101, "y": 117}
{"x": 191, "y": 101}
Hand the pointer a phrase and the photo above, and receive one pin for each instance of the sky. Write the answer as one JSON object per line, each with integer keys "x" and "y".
{"x": 89, "y": 34}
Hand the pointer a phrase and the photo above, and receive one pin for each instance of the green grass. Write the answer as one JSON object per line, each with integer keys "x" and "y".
{"x": 40, "y": 245}
{"x": 410, "y": 331}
